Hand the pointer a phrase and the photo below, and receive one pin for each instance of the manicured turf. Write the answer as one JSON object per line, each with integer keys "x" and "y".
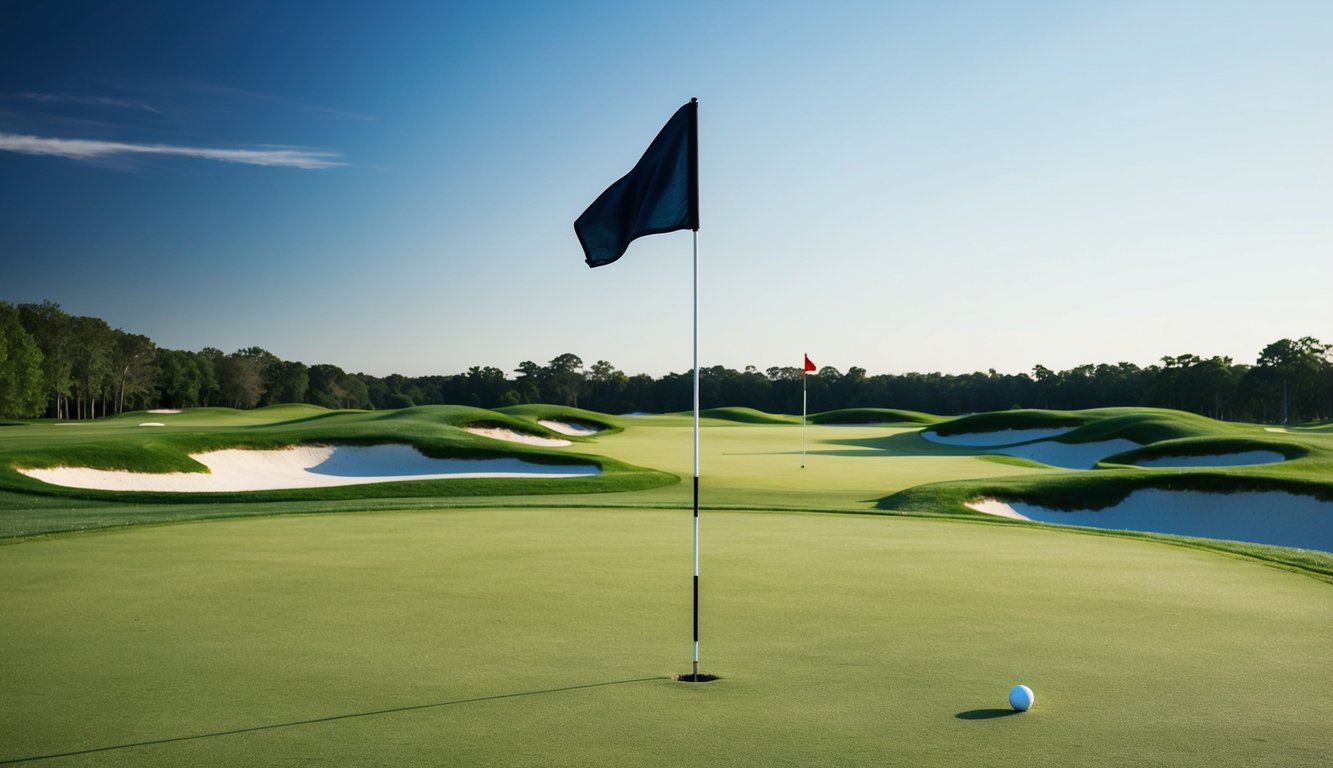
{"x": 124, "y": 443}
{"x": 431, "y": 623}
{"x": 545, "y": 637}
{"x": 749, "y": 463}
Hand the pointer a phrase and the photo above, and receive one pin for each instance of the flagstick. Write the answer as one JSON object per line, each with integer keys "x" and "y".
{"x": 696, "y": 455}
{"x": 802, "y": 416}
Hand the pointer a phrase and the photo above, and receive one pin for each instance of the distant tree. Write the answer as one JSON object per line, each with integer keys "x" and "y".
{"x": 1044, "y": 383}
{"x": 52, "y": 329}
{"x": 324, "y": 385}
{"x": 564, "y": 379}
{"x": 398, "y": 400}
{"x": 331, "y": 387}
{"x": 133, "y": 362}
{"x": 1288, "y": 372}
{"x": 92, "y": 371}
{"x": 355, "y": 393}
{"x": 487, "y": 386}
{"x": 210, "y": 390}
{"x": 240, "y": 380}
{"x": 22, "y": 392}
{"x": 285, "y": 382}
{"x": 180, "y": 378}
{"x": 531, "y": 377}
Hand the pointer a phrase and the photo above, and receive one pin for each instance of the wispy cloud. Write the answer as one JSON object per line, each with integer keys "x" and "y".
{"x": 95, "y": 101}
{"x": 89, "y": 149}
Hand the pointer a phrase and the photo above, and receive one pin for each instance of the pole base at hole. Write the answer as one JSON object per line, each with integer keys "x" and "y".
{"x": 694, "y": 677}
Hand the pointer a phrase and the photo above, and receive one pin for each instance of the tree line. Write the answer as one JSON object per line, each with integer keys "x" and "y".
{"x": 68, "y": 367}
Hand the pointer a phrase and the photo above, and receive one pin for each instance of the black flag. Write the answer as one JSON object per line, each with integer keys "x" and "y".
{"x": 661, "y": 193}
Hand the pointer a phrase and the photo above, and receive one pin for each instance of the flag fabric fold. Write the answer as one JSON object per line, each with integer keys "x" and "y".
{"x": 660, "y": 194}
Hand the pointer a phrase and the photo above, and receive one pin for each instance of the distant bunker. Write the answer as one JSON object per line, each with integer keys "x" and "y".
{"x": 1038, "y": 445}
{"x": 509, "y": 434}
{"x": 1260, "y": 517}
{"x": 305, "y": 466}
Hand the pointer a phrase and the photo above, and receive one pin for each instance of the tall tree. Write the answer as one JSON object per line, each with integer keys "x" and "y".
{"x": 285, "y": 382}
{"x": 21, "y": 383}
{"x": 91, "y": 342}
{"x": 52, "y": 329}
{"x": 564, "y": 379}
{"x": 180, "y": 380}
{"x": 1296, "y": 365}
{"x": 240, "y": 379}
{"x": 133, "y": 363}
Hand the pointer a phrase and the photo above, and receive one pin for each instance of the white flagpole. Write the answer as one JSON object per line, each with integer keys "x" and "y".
{"x": 696, "y": 455}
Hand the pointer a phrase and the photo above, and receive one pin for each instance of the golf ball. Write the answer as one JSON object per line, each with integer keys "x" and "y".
{"x": 1021, "y": 698}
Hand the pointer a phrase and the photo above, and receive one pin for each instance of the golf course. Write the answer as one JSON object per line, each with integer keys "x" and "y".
{"x": 449, "y": 585}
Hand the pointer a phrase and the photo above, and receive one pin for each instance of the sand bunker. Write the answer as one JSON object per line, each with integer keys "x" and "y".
{"x": 569, "y": 427}
{"x": 1045, "y": 451}
{"x": 165, "y": 410}
{"x": 152, "y": 424}
{"x": 306, "y": 466}
{"x": 999, "y": 437}
{"x": 1269, "y": 517}
{"x": 1068, "y": 455}
{"x": 514, "y": 436}
{"x": 1217, "y": 460}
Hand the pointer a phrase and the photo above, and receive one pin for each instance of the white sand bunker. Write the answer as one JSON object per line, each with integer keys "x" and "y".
{"x": 514, "y": 436}
{"x": 152, "y": 424}
{"x": 165, "y": 410}
{"x": 576, "y": 429}
{"x": 1239, "y": 459}
{"x": 1269, "y": 517}
{"x": 306, "y": 466}
{"x": 998, "y": 437}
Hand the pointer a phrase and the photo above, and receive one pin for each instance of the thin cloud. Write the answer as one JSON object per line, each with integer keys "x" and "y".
{"x": 96, "y": 101}
{"x": 89, "y": 149}
{"x": 228, "y": 94}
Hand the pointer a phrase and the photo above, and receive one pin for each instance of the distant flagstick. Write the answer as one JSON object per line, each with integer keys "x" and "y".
{"x": 807, "y": 366}
{"x": 660, "y": 194}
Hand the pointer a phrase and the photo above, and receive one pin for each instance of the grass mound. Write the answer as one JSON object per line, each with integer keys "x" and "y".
{"x": 603, "y": 423}
{"x": 436, "y": 431}
{"x": 873, "y": 416}
{"x": 748, "y": 416}
{"x": 1212, "y": 446}
{"x": 1018, "y": 419}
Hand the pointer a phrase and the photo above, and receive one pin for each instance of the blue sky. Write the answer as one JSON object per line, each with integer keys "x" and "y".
{"x": 942, "y": 186}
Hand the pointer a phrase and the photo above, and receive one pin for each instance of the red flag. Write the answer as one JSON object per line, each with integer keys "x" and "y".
{"x": 809, "y": 366}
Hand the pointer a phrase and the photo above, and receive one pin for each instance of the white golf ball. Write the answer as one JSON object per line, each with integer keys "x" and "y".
{"x": 1021, "y": 698}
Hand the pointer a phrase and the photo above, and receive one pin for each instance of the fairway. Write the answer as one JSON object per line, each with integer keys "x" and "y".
{"x": 546, "y": 637}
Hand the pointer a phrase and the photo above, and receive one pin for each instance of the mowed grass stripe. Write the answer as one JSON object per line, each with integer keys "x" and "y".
{"x": 840, "y": 639}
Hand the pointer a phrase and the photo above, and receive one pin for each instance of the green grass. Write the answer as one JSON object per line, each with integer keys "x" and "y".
{"x": 1014, "y": 419}
{"x": 750, "y": 460}
{"x": 747, "y": 416}
{"x": 534, "y": 624}
{"x": 873, "y": 416}
{"x": 608, "y": 425}
{"x": 527, "y": 637}
{"x": 122, "y": 443}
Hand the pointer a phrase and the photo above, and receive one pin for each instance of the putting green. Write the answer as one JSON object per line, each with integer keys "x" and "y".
{"x": 544, "y": 637}
{"x": 846, "y": 467}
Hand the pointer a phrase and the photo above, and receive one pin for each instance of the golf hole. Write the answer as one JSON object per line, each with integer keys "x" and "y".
{"x": 695, "y": 678}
